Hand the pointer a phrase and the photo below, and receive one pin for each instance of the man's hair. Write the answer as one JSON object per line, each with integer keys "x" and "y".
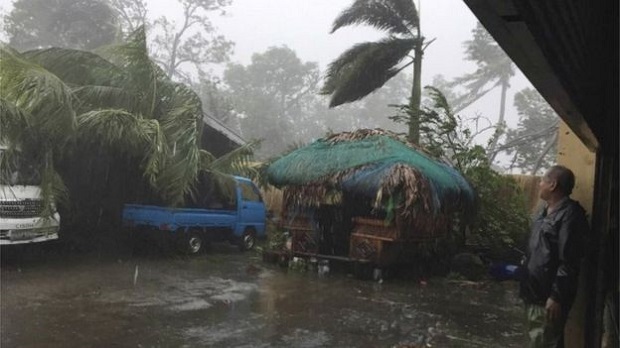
{"x": 564, "y": 178}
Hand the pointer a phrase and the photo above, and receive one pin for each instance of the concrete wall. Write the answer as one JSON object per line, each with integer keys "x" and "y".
{"x": 574, "y": 155}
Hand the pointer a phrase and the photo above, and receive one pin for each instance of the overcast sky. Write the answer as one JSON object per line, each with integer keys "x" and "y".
{"x": 304, "y": 26}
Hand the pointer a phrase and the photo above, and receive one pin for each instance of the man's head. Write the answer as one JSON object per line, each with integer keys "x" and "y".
{"x": 558, "y": 182}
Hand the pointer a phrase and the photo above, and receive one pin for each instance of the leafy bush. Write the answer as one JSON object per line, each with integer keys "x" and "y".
{"x": 501, "y": 223}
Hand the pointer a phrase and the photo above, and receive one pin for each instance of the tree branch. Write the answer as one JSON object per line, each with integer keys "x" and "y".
{"x": 540, "y": 158}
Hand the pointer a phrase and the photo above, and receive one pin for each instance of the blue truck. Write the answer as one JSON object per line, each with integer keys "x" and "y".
{"x": 190, "y": 228}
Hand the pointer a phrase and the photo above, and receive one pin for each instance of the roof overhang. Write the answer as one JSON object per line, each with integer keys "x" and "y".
{"x": 566, "y": 49}
{"x": 223, "y": 129}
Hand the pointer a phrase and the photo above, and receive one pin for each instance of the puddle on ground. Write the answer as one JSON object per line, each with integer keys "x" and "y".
{"x": 231, "y": 300}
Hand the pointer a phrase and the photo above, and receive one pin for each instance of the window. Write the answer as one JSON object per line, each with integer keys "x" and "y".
{"x": 249, "y": 193}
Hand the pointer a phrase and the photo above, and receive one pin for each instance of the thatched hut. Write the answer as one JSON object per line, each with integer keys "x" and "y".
{"x": 358, "y": 194}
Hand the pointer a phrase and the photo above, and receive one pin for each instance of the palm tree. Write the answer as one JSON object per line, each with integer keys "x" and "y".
{"x": 36, "y": 121}
{"x": 112, "y": 125}
{"x": 494, "y": 69}
{"x": 125, "y": 104}
{"x": 367, "y": 66}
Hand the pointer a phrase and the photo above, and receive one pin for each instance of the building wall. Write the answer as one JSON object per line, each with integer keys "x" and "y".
{"x": 574, "y": 155}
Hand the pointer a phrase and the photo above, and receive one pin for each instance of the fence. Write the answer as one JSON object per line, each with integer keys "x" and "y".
{"x": 529, "y": 185}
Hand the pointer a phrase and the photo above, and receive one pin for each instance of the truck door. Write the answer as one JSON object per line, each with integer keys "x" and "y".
{"x": 251, "y": 208}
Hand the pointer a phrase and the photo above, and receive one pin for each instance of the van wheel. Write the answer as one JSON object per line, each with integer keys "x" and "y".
{"x": 192, "y": 243}
{"x": 247, "y": 240}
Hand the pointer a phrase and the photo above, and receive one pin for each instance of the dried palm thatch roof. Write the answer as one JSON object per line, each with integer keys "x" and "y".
{"x": 374, "y": 163}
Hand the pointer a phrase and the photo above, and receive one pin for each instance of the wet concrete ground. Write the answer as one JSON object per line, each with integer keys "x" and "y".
{"x": 231, "y": 299}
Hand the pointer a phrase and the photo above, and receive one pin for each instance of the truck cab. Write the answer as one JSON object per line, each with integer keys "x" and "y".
{"x": 22, "y": 207}
{"x": 240, "y": 221}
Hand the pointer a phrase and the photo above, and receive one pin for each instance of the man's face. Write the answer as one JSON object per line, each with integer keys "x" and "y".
{"x": 547, "y": 186}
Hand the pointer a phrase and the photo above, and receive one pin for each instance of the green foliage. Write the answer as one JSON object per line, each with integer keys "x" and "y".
{"x": 135, "y": 136}
{"x": 364, "y": 68}
{"x": 393, "y": 16}
{"x": 533, "y": 143}
{"x": 502, "y": 223}
{"x": 131, "y": 14}
{"x": 271, "y": 93}
{"x": 444, "y": 134}
{"x": 493, "y": 69}
{"x": 367, "y": 66}
{"x": 80, "y": 24}
{"x": 276, "y": 237}
{"x": 37, "y": 121}
{"x": 502, "y": 219}
{"x": 298, "y": 264}
{"x": 41, "y": 96}
{"x": 182, "y": 46}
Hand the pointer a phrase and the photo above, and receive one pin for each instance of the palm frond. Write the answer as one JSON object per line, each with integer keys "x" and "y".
{"x": 178, "y": 176}
{"x": 477, "y": 84}
{"x": 96, "y": 82}
{"x": 78, "y": 68}
{"x": 40, "y": 94}
{"x": 364, "y": 68}
{"x": 91, "y": 97}
{"x": 156, "y": 150}
{"x": 393, "y": 16}
{"x": 132, "y": 56}
{"x": 236, "y": 162}
{"x": 206, "y": 158}
{"x": 53, "y": 189}
{"x": 113, "y": 128}
{"x": 14, "y": 123}
{"x": 9, "y": 161}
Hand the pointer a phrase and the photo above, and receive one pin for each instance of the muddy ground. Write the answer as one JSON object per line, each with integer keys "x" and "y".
{"x": 226, "y": 298}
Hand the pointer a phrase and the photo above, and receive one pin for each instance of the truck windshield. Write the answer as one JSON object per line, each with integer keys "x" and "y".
{"x": 21, "y": 172}
{"x": 249, "y": 193}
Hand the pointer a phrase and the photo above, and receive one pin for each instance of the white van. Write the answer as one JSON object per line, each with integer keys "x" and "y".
{"x": 21, "y": 209}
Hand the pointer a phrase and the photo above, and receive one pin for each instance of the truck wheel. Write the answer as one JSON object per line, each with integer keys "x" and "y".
{"x": 247, "y": 240}
{"x": 193, "y": 243}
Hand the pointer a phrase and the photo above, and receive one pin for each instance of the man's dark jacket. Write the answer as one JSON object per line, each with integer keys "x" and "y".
{"x": 555, "y": 249}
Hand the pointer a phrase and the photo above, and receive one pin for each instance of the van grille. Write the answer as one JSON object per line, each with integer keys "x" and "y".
{"x": 26, "y": 208}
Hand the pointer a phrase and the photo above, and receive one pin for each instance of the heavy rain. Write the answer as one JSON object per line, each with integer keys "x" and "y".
{"x": 276, "y": 173}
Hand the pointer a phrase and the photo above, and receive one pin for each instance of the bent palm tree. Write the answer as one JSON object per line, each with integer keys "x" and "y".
{"x": 494, "y": 69}
{"x": 113, "y": 123}
{"x": 367, "y": 66}
{"x": 128, "y": 107}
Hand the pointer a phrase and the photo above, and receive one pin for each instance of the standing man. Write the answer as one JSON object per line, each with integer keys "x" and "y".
{"x": 551, "y": 266}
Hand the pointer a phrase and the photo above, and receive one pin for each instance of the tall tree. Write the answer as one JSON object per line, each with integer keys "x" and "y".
{"x": 181, "y": 47}
{"x": 493, "y": 69}
{"x": 217, "y": 102}
{"x": 533, "y": 144}
{"x": 131, "y": 14}
{"x": 79, "y": 24}
{"x": 271, "y": 94}
{"x": 367, "y": 66}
